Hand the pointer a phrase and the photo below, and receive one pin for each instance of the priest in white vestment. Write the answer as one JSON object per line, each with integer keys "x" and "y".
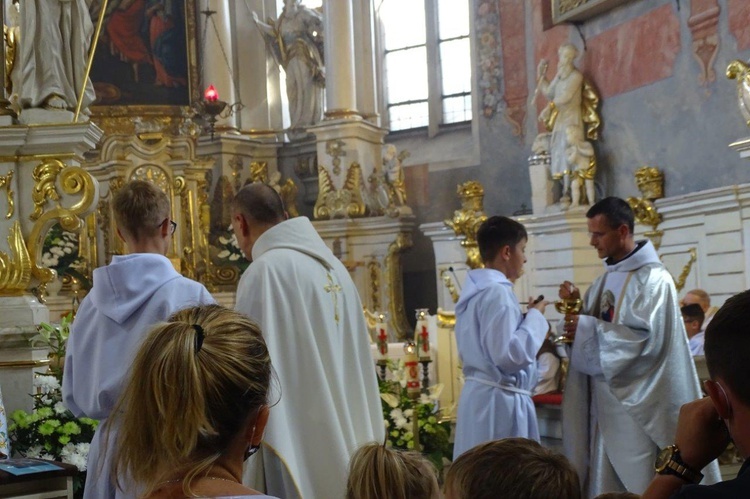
{"x": 128, "y": 296}
{"x": 630, "y": 366}
{"x": 311, "y": 316}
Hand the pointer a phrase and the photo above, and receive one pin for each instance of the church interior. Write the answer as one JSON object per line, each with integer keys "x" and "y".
{"x": 396, "y": 126}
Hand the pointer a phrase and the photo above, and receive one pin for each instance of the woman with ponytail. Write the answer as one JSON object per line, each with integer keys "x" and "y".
{"x": 195, "y": 406}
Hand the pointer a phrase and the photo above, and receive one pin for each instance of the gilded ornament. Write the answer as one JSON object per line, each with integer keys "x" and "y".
{"x": 446, "y": 318}
{"x": 7, "y": 182}
{"x": 466, "y": 221}
{"x": 335, "y": 149}
{"x": 288, "y": 192}
{"x": 373, "y": 266}
{"x": 568, "y": 5}
{"x": 154, "y": 174}
{"x": 650, "y": 182}
{"x": 188, "y": 260}
{"x": 15, "y": 270}
{"x": 11, "y": 51}
{"x": 74, "y": 180}
{"x": 679, "y": 283}
{"x": 340, "y": 203}
{"x": 45, "y": 188}
{"x": 105, "y": 226}
{"x": 448, "y": 282}
{"x": 236, "y": 165}
{"x": 259, "y": 172}
{"x": 740, "y": 71}
{"x": 395, "y": 284}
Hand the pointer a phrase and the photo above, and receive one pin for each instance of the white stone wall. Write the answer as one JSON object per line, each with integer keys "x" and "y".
{"x": 715, "y": 222}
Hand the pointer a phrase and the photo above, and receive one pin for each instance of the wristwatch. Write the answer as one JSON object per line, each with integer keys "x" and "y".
{"x": 669, "y": 462}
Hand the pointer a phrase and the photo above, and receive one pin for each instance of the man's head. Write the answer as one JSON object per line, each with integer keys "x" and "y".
{"x": 502, "y": 243}
{"x": 611, "y": 222}
{"x": 567, "y": 53}
{"x": 255, "y": 209}
{"x": 693, "y": 317}
{"x": 516, "y": 466}
{"x": 727, "y": 348}
{"x": 142, "y": 215}
{"x": 697, "y": 296}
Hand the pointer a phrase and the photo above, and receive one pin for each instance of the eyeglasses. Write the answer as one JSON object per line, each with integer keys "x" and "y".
{"x": 172, "y": 225}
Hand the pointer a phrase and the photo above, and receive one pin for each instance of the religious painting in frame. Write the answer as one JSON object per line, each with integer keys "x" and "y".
{"x": 579, "y": 10}
{"x": 146, "y": 60}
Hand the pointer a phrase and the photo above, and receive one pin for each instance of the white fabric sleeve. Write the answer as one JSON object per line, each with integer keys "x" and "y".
{"x": 585, "y": 356}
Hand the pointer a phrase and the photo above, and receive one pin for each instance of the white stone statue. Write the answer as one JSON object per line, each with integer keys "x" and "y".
{"x": 55, "y": 36}
{"x": 572, "y": 104}
{"x": 579, "y": 155}
{"x": 296, "y": 43}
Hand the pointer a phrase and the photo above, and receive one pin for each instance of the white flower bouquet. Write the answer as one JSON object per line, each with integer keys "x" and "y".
{"x": 399, "y": 412}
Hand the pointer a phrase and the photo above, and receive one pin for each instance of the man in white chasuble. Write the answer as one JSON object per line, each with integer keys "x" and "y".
{"x": 630, "y": 366}
{"x": 311, "y": 316}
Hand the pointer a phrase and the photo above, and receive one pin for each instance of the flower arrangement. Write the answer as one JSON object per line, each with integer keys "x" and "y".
{"x": 399, "y": 411}
{"x": 60, "y": 252}
{"x": 50, "y": 431}
{"x": 230, "y": 251}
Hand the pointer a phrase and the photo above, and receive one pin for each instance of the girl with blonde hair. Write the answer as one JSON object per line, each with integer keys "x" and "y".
{"x": 377, "y": 472}
{"x": 195, "y": 406}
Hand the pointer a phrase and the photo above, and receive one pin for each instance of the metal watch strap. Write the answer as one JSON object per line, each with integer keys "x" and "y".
{"x": 675, "y": 466}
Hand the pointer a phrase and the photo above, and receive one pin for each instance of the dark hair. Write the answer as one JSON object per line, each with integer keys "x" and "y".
{"x": 617, "y": 211}
{"x": 496, "y": 232}
{"x": 693, "y": 312}
{"x": 260, "y": 202}
{"x": 513, "y": 467}
{"x": 727, "y": 345}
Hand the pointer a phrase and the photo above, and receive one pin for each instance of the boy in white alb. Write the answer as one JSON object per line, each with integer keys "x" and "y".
{"x": 497, "y": 343}
{"x": 128, "y": 296}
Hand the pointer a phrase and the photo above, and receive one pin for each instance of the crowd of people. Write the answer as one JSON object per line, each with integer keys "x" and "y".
{"x": 187, "y": 390}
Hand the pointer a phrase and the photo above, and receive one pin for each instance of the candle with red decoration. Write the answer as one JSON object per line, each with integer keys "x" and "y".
{"x": 422, "y": 335}
{"x": 411, "y": 364}
{"x": 381, "y": 335}
{"x": 211, "y": 94}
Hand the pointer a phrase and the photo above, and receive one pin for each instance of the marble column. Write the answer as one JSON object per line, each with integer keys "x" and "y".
{"x": 341, "y": 94}
{"x": 257, "y": 72}
{"x": 217, "y": 59}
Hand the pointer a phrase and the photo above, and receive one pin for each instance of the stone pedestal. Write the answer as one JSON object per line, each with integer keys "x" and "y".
{"x": 42, "y": 185}
{"x": 18, "y": 360}
{"x": 342, "y": 143}
{"x": 300, "y": 157}
{"x": 541, "y": 183}
{"x": 371, "y": 249}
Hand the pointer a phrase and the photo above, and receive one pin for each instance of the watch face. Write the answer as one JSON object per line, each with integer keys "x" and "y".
{"x": 664, "y": 456}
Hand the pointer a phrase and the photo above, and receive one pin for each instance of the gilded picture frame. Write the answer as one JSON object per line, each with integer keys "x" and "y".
{"x": 579, "y": 10}
{"x": 146, "y": 61}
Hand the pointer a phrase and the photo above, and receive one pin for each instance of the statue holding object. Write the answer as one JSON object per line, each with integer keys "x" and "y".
{"x": 571, "y": 119}
{"x": 295, "y": 41}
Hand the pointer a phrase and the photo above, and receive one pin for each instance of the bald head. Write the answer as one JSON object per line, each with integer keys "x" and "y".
{"x": 260, "y": 203}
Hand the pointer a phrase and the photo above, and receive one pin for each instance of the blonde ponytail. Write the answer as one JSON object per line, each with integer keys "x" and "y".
{"x": 193, "y": 385}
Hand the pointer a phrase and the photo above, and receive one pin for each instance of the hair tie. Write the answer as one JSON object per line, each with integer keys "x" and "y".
{"x": 199, "y": 336}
